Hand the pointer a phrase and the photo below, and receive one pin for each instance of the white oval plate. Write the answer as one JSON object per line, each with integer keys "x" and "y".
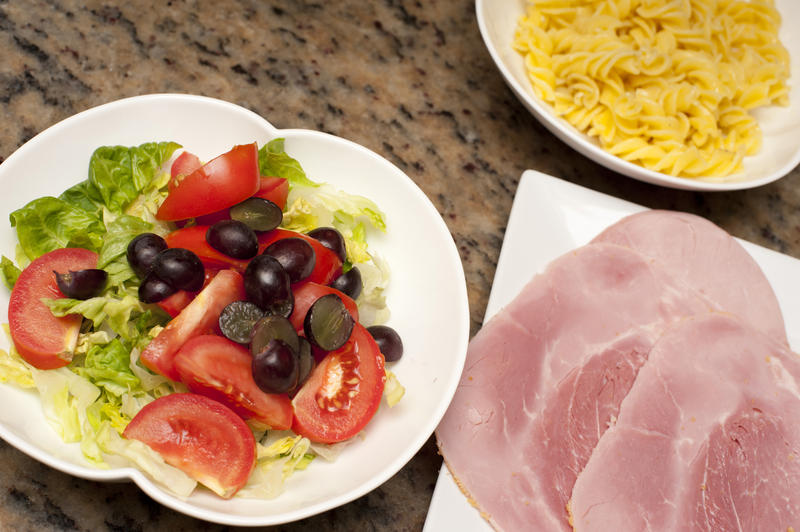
{"x": 427, "y": 295}
{"x": 550, "y": 217}
{"x": 779, "y": 154}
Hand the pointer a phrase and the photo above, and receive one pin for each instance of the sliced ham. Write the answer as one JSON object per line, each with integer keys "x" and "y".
{"x": 707, "y": 259}
{"x": 545, "y": 376}
{"x": 708, "y": 438}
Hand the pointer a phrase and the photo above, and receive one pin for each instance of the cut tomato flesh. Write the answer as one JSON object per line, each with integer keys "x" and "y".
{"x": 184, "y": 164}
{"x": 201, "y": 437}
{"x": 274, "y": 189}
{"x": 175, "y": 303}
{"x": 343, "y": 391}
{"x": 222, "y": 370}
{"x": 198, "y": 317}
{"x": 43, "y": 340}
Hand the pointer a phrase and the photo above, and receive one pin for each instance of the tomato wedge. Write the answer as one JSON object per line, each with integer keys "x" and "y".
{"x": 342, "y": 393}
{"x": 328, "y": 266}
{"x": 224, "y": 181}
{"x": 307, "y": 292}
{"x": 198, "y": 317}
{"x": 202, "y": 437}
{"x": 193, "y": 238}
{"x": 175, "y": 303}
{"x": 43, "y": 340}
{"x": 222, "y": 370}
{"x": 274, "y": 189}
{"x": 184, "y": 164}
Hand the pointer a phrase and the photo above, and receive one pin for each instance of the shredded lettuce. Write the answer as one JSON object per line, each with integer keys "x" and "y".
{"x": 115, "y": 311}
{"x": 120, "y": 230}
{"x": 393, "y": 391}
{"x": 108, "y": 366}
{"x": 124, "y": 452}
{"x": 274, "y": 161}
{"x": 9, "y": 271}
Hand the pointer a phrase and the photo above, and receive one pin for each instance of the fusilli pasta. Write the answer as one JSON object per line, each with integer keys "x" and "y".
{"x": 667, "y": 84}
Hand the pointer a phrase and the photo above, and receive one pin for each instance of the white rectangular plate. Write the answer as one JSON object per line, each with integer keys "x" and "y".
{"x": 548, "y": 218}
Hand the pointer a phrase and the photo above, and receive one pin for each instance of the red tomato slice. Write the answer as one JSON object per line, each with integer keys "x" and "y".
{"x": 342, "y": 393}
{"x": 185, "y": 164}
{"x": 201, "y": 437}
{"x": 174, "y": 304}
{"x": 42, "y": 339}
{"x": 222, "y": 370}
{"x": 224, "y": 181}
{"x": 199, "y": 317}
{"x": 328, "y": 266}
{"x": 307, "y": 292}
{"x": 194, "y": 239}
{"x": 274, "y": 189}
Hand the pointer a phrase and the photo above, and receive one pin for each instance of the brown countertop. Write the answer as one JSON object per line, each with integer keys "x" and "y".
{"x": 410, "y": 80}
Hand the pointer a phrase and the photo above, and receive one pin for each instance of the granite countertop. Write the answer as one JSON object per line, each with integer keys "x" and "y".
{"x": 410, "y": 80}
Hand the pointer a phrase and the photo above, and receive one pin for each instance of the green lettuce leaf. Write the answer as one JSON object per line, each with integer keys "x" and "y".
{"x": 120, "y": 173}
{"x": 9, "y": 271}
{"x": 274, "y": 161}
{"x": 116, "y": 312}
{"x": 85, "y": 196}
{"x": 50, "y": 223}
{"x": 120, "y": 230}
{"x": 108, "y": 366}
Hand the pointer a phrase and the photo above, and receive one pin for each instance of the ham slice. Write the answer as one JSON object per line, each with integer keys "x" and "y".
{"x": 708, "y": 438}
{"x": 707, "y": 259}
{"x": 545, "y": 376}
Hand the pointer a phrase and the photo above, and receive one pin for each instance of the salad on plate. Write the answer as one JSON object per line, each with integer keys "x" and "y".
{"x": 219, "y": 322}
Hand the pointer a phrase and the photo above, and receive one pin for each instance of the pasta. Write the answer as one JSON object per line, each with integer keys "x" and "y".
{"x": 667, "y": 84}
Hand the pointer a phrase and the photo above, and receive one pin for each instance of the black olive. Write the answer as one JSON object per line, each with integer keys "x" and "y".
{"x": 267, "y": 285}
{"x": 295, "y": 255}
{"x": 328, "y": 324}
{"x": 142, "y": 252}
{"x": 388, "y": 341}
{"x": 238, "y": 319}
{"x": 305, "y": 360}
{"x": 153, "y": 289}
{"x": 258, "y": 214}
{"x": 331, "y": 239}
{"x": 180, "y": 268}
{"x": 270, "y": 328}
{"x": 275, "y": 368}
{"x": 233, "y": 238}
{"x": 349, "y": 283}
{"x": 82, "y": 284}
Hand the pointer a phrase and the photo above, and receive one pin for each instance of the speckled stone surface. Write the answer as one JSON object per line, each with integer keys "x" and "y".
{"x": 410, "y": 80}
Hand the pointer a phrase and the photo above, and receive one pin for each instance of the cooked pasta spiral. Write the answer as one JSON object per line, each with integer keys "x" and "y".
{"x": 667, "y": 84}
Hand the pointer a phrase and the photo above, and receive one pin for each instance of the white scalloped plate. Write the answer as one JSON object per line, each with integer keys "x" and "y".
{"x": 427, "y": 295}
{"x": 779, "y": 154}
{"x": 549, "y": 217}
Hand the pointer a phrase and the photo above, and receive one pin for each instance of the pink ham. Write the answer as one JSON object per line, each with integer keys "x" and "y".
{"x": 708, "y": 438}
{"x": 545, "y": 377}
{"x": 707, "y": 259}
